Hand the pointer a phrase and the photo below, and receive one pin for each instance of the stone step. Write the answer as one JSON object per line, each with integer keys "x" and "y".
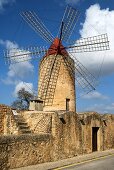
{"x": 22, "y": 123}
{"x": 23, "y": 126}
{"x": 17, "y": 116}
{"x": 19, "y": 119}
{"x": 23, "y": 131}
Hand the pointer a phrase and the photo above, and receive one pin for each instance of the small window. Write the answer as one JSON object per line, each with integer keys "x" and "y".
{"x": 67, "y": 104}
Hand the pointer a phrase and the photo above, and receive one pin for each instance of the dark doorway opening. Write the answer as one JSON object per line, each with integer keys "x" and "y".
{"x": 67, "y": 104}
{"x": 95, "y": 138}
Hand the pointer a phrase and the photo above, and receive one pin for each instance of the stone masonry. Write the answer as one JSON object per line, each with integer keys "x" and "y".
{"x": 61, "y": 85}
{"x": 54, "y": 135}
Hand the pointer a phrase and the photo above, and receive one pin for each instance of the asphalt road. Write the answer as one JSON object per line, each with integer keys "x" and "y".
{"x": 106, "y": 163}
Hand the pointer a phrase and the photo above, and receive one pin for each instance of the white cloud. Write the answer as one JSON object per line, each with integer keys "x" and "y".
{"x": 28, "y": 87}
{"x": 95, "y": 95}
{"x": 101, "y": 108}
{"x": 8, "y": 44}
{"x": 20, "y": 70}
{"x": 17, "y": 70}
{"x": 5, "y": 2}
{"x": 9, "y": 81}
{"x": 98, "y": 21}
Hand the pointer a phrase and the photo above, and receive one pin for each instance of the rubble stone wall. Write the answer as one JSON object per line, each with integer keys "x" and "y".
{"x": 40, "y": 122}
{"x": 65, "y": 135}
{"x": 105, "y": 135}
{"x": 7, "y": 122}
{"x": 24, "y": 150}
{"x": 64, "y": 81}
{"x": 2, "y": 116}
{"x": 87, "y": 121}
{"x": 108, "y": 132}
{"x": 72, "y": 133}
{"x": 56, "y": 135}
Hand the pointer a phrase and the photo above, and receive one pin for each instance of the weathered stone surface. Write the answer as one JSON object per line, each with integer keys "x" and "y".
{"x": 105, "y": 136}
{"x": 18, "y": 151}
{"x": 65, "y": 84}
{"x": 59, "y": 135}
{"x": 39, "y": 121}
{"x": 64, "y": 132}
{"x": 7, "y": 122}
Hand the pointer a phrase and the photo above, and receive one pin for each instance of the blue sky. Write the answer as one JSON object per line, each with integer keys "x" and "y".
{"x": 96, "y": 17}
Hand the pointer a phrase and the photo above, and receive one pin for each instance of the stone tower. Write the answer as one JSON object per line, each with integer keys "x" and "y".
{"x": 56, "y": 86}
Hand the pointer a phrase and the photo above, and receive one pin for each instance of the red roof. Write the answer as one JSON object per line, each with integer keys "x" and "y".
{"x": 57, "y": 48}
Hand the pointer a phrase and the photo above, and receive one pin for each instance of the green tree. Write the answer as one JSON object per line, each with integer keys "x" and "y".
{"x": 22, "y": 101}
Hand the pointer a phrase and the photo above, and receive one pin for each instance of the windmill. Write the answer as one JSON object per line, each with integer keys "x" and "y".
{"x": 58, "y": 67}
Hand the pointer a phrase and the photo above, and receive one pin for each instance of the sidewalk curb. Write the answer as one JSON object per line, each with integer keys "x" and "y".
{"x": 82, "y": 162}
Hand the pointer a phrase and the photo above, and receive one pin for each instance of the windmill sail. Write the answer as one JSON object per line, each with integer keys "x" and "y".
{"x": 13, "y": 56}
{"x": 37, "y": 25}
{"x": 84, "y": 78}
{"x": 58, "y": 59}
{"x": 90, "y": 44}
{"x": 69, "y": 19}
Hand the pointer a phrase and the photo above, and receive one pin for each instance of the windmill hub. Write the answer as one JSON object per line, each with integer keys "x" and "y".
{"x": 57, "y": 48}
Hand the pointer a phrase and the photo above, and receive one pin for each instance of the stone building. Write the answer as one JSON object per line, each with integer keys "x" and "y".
{"x": 51, "y": 129}
{"x": 56, "y": 86}
{"x": 33, "y": 137}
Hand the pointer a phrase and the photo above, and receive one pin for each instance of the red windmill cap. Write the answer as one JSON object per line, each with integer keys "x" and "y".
{"x": 56, "y": 48}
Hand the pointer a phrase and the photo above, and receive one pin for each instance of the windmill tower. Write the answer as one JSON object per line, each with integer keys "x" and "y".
{"x": 56, "y": 81}
{"x": 59, "y": 68}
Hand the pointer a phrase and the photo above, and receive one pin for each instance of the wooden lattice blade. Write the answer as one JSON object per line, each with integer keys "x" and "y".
{"x": 90, "y": 44}
{"x": 80, "y": 74}
{"x": 37, "y": 25}
{"x": 69, "y": 21}
{"x": 83, "y": 77}
{"x": 20, "y": 55}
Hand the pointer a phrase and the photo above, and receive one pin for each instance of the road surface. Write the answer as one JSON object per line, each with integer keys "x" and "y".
{"x": 106, "y": 163}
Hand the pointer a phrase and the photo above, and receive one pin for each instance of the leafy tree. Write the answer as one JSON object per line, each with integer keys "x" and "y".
{"x": 22, "y": 101}
{"x": 17, "y": 104}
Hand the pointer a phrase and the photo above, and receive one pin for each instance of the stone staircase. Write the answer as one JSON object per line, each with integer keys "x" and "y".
{"x": 22, "y": 124}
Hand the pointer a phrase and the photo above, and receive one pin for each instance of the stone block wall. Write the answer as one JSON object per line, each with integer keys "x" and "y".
{"x": 40, "y": 122}
{"x": 2, "y": 115}
{"x": 58, "y": 135}
{"x": 65, "y": 135}
{"x": 105, "y": 136}
{"x": 24, "y": 150}
{"x": 108, "y": 131}
{"x": 87, "y": 121}
{"x": 64, "y": 81}
{"x": 3, "y": 154}
{"x": 72, "y": 133}
{"x": 7, "y": 121}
